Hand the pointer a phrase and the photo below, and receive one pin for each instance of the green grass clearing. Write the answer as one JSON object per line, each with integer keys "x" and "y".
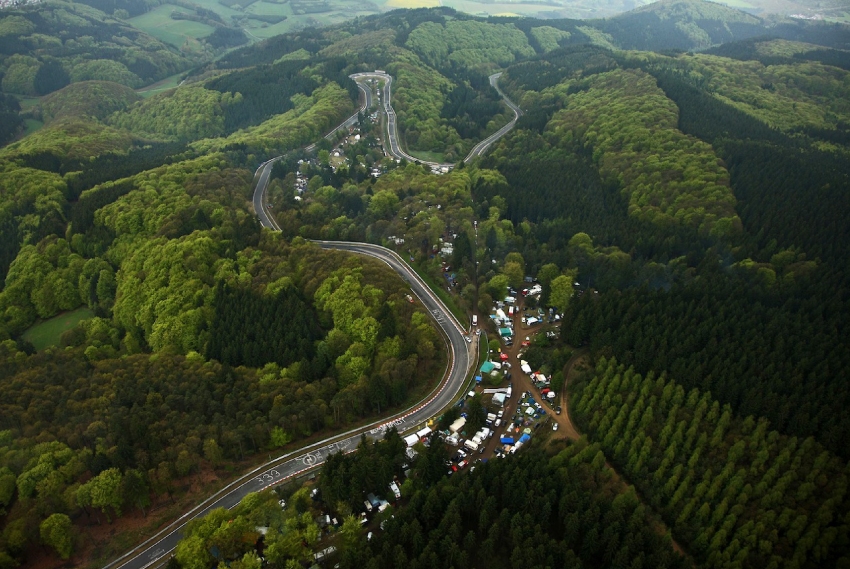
{"x": 159, "y": 24}
{"x": 427, "y": 156}
{"x": 31, "y": 125}
{"x": 160, "y": 86}
{"x": 28, "y": 103}
{"x": 740, "y": 4}
{"x": 47, "y": 333}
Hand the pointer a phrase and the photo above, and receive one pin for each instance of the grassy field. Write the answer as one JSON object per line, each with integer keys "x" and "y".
{"x": 412, "y": 3}
{"x": 740, "y": 4}
{"x": 185, "y": 34}
{"x": 32, "y": 125}
{"x": 159, "y": 24}
{"x": 28, "y": 102}
{"x": 179, "y": 33}
{"x": 47, "y": 333}
{"x": 159, "y": 86}
{"x": 426, "y": 155}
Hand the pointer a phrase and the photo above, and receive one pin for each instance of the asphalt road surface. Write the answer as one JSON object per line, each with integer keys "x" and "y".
{"x": 482, "y": 146}
{"x": 393, "y": 146}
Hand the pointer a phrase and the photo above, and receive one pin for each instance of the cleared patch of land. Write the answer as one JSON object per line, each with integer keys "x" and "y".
{"x": 412, "y": 3}
{"x": 159, "y": 24}
{"x": 47, "y": 333}
{"x": 159, "y": 86}
{"x": 31, "y": 125}
{"x": 428, "y": 156}
{"x": 300, "y": 14}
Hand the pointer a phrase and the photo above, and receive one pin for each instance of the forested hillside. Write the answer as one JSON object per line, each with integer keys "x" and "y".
{"x": 541, "y": 509}
{"x": 774, "y": 269}
{"x": 735, "y": 491}
{"x": 45, "y": 47}
{"x": 562, "y": 511}
{"x": 685, "y": 212}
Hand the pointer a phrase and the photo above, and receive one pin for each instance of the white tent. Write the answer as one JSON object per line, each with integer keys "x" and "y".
{"x": 411, "y": 439}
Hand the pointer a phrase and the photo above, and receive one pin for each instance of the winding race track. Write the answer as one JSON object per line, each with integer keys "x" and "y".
{"x": 156, "y": 550}
{"x": 394, "y": 148}
{"x": 482, "y": 146}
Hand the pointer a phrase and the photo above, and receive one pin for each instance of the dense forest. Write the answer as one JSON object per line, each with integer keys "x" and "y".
{"x": 685, "y": 211}
{"x": 44, "y": 48}
{"x": 148, "y": 423}
{"x": 734, "y": 490}
{"x": 539, "y": 511}
{"x": 542, "y": 509}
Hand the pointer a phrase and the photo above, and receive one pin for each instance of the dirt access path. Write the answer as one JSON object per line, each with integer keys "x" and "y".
{"x": 566, "y": 427}
{"x": 570, "y": 370}
{"x": 579, "y": 358}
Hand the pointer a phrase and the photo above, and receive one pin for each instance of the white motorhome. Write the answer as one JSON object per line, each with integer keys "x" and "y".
{"x": 395, "y": 490}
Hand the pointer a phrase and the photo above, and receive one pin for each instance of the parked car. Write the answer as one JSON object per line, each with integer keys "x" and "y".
{"x": 558, "y": 410}
{"x": 555, "y": 426}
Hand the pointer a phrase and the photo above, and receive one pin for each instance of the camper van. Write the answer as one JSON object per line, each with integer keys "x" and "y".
{"x": 475, "y": 320}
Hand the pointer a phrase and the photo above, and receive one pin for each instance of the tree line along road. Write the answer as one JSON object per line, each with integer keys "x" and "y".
{"x": 155, "y": 551}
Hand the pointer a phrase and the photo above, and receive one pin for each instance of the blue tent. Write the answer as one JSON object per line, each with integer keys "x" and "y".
{"x": 525, "y": 438}
{"x": 507, "y": 440}
{"x": 477, "y": 379}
